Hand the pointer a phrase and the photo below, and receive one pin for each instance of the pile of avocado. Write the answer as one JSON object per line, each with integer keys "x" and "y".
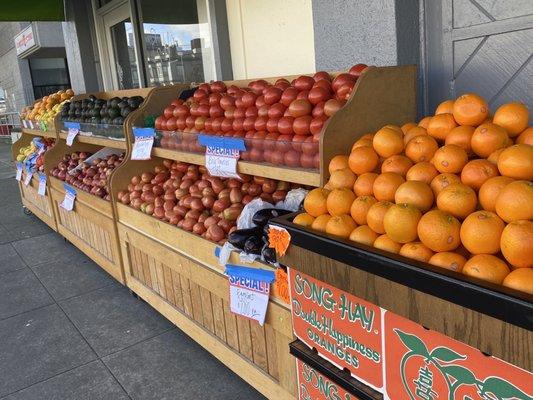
{"x": 99, "y": 111}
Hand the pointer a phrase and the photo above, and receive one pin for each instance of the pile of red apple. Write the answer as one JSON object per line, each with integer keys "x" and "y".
{"x": 187, "y": 196}
{"x": 281, "y": 122}
{"x": 92, "y": 177}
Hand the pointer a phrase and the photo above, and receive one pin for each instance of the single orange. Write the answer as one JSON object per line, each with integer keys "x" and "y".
{"x": 385, "y": 243}
{"x": 481, "y": 232}
{"x": 315, "y": 202}
{"x": 446, "y": 107}
{"x": 416, "y": 251}
{"x": 495, "y": 156}
{"x": 401, "y": 221}
{"x": 339, "y": 201}
{"x": 440, "y": 125}
{"x": 520, "y": 279}
{"x": 388, "y": 141}
{"x": 515, "y": 201}
{"x": 397, "y": 163}
{"x": 470, "y": 109}
{"x": 517, "y": 243}
{"x": 514, "y": 117}
{"x": 448, "y": 260}
{"x": 423, "y": 172}
{"x": 360, "y": 207}
{"x": 439, "y": 231}
{"x": 450, "y": 158}
{"x": 488, "y": 138}
{"x": 375, "y": 215}
{"x": 486, "y": 267}
{"x": 363, "y": 159}
{"x": 413, "y": 132}
{"x": 338, "y": 162}
{"x": 415, "y": 193}
{"x": 490, "y": 190}
{"x": 517, "y": 162}
{"x": 342, "y": 178}
{"x": 363, "y": 234}
{"x": 457, "y": 199}
{"x": 442, "y": 181}
{"x": 476, "y": 172}
{"x": 424, "y": 122}
{"x": 461, "y": 136}
{"x": 385, "y": 186}
{"x": 320, "y": 222}
{"x": 364, "y": 184}
{"x": 526, "y": 137}
{"x": 341, "y": 225}
{"x": 408, "y": 126}
{"x": 304, "y": 219}
{"x": 421, "y": 148}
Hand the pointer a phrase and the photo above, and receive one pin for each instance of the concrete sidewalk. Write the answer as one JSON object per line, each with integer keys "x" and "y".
{"x": 70, "y": 331}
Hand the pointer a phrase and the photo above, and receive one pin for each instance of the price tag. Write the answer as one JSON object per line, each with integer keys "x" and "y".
{"x": 18, "y": 177}
{"x": 30, "y": 124}
{"x": 25, "y": 124}
{"x": 73, "y": 130}
{"x": 27, "y": 180}
{"x": 249, "y": 291}
{"x": 70, "y": 196}
{"x": 42, "y": 185}
{"x": 221, "y": 155}
{"x": 144, "y": 140}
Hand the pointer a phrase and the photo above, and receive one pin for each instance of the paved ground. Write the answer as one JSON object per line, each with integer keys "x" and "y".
{"x": 69, "y": 331}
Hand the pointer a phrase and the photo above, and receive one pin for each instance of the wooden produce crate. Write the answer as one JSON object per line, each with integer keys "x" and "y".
{"x": 382, "y": 95}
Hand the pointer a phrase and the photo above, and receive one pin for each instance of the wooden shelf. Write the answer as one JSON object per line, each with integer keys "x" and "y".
{"x": 98, "y": 141}
{"x": 296, "y": 175}
{"x": 37, "y": 132}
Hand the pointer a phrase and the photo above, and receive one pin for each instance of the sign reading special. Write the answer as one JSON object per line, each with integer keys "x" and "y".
{"x": 222, "y": 154}
{"x": 344, "y": 329}
{"x": 425, "y": 365}
{"x": 312, "y": 385}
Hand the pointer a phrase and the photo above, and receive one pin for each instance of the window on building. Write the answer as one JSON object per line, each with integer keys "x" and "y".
{"x": 48, "y": 75}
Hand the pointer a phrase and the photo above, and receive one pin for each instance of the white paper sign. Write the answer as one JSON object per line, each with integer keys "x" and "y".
{"x": 142, "y": 148}
{"x": 27, "y": 180}
{"x": 68, "y": 201}
{"x": 72, "y": 133}
{"x": 222, "y": 162}
{"x": 18, "y": 177}
{"x": 249, "y": 298}
{"x": 25, "y": 123}
{"x": 42, "y": 185}
{"x": 30, "y": 124}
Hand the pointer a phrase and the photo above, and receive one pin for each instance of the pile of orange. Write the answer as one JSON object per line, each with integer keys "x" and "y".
{"x": 454, "y": 190}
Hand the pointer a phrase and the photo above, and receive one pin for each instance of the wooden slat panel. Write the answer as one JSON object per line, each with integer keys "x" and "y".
{"x": 258, "y": 345}
{"x": 169, "y": 290}
{"x": 146, "y": 269}
{"x": 287, "y": 370}
{"x": 245, "y": 337}
{"x": 186, "y": 291}
{"x": 176, "y": 285}
{"x": 230, "y": 321}
{"x": 218, "y": 317}
{"x": 272, "y": 351}
{"x": 207, "y": 309}
{"x": 160, "y": 279}
{"x": 196, "y": 303}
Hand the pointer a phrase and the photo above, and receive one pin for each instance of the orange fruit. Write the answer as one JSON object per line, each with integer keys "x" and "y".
{"x": 415, "y": 193}
{"x": 487, "y": 138}
{"x": 406, "y": 127}
{"x": 421, "y": 148}
{"x": 424, "y": 122}
{"x": 470, "y": 109}
{"x": 397, "y": 163}
{"x": 495, "y": 156}
{"x": 423, "y": 172}
{"x": 388, "y": 142}
{"x": 486, "y": 267}
{"x": 440, "y": 125}
{"x": 360, "y": 207}
{"x": 513, "y": 117}
{"x": 450, "y": 158}
{"x": 375, "y": 215}
{"x": 338, "y": 162}
{"x": 517, "y": 162}
{"x": 446, "y": 107}
{"x": 363, "y": 142}
{"x": 342, "y": 178}
{"x": 476, "y": 172}
{"x": 385, "y": 186}
{"x": 413, "y": 132}
{"x": 363, "y": 159}
{"x": 526, "y": 137}
{"x": 489, "y": 191}
{"x": 457, "y": 199}
{"x": 517, "y": 243}
{"x": 443, "y": 181}
{"x": 339, "y": 201}
{"x": 448, "y": 260}
{"x": 461, "y": 136}
{"x": 303, "y": 219}
{"x": 341, "y": 225}
{"x": 364, "y": 184}
{"x": 368, "y": 136}
{"x": 385, "y": 243}
{"x": 520, "y": 279}
{"x": 481, "y": 232}
{"x": 515, "y": 201}
{"x": 320, "y": 222}
{"x": 315, "y": 202}
{"x": 439, "y": 231}
{"x": 363, "y": 234}
{"x": 416, "y": 251}
{"x": 400, "y": 222}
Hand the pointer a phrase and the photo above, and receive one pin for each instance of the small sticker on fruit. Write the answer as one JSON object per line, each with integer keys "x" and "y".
{"x": 279, "y": 239}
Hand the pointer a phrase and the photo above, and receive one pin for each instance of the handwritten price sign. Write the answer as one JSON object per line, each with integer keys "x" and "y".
{"x": 73, "y": 130}
{"x": 144, "y": 141}
{"x": 70, "y": 196}
{"x": 18, "y": 177}
{"x": 42, "y": 185}
{"x": 222, "y": 154}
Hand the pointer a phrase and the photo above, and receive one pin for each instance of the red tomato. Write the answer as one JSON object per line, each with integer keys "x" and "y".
{"x": 270, "y": 141}
{"x": 239, "y": 113}
{"x": 205, "y": 87}
{"x": 263, "y": 111}
{"x": 260, "y": 101}
{"x": 282, "y": 84}
{"x": 171, "y": 124}
{"x": 199, "y": 124}
{"x": 181, "y": 111}
{"x": 344, "y": 91}
{"x": 299, "y": 108}
{"x": 272, "y": 95}
{"x": 214, "y": 98}
{"x": 301, "y": 125}
{"x": 218, "y": 87}
{"x": 303, "y": 94}
{"x": 163, "y": 124}
{"x": 168, "y": 111}
{"x": 321, "y": 75}
{"x": 226, "y": 102}
{"x": 307, "y": 160}
{"x": 230, "y": 112}
{"x": 297, "y": 141}
{"x": 276, "y": 158}
{"x": 267, "y": 155}
{"x": 304, "y": 83}
{"x": 318, "y": 110}
{"x": 272, "y": 125}
{"x": 208, "y": 126}
{"x": 200, "y": 94}
{"x": 176, "y": 102}
{"x": 341, "y": 79}
{"x": 158, "y": 122}
{"x": 276, "y": 110}
{"x": 256, "y": 155}
{"x": 291, "y": 159}
{"x": 332, "y": 106}
{"x": 217, "y": 125}
{"x": 317, "y": 95}
{"x": 325, "y": 85}
{"x": 357, "y": 70}
{"x": 238, "y": 124}
{"x": 189, "y": 121}
{"x": 251, "y": 111}
{"x": 284, "y": 143}
{"x": 226, "y": 125}
{"x": 239, "y": 103}
{"x": 259, "y": 139}
{"x": 317, "y": 124}
{"x": 310, "y": 146}
{"x": 261, "y": 123}
{"x": 203, "y": 110}
{"x": 194, "y": 110}
{"x": 216, "y": 111}
{"x": 285, "y": 125}
{"x": 288, "y": 96}
{"x": 248, "y": 123}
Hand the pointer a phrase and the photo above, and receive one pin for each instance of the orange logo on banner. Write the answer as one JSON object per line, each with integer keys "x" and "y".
{"x": 426, "y": 365}
{"x": 343, "y": 329}
{"x": 312, "y": 385}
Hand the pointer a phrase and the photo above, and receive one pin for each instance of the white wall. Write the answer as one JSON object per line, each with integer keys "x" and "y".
{"x": 270, "y": 38}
